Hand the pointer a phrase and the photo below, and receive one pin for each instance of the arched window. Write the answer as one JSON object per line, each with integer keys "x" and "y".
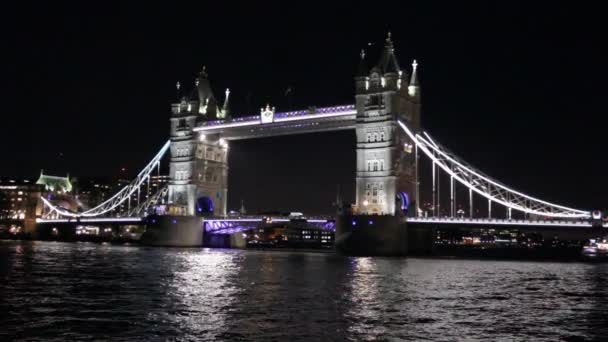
{"x": 369, "y": 137}
{"x": 381, "y": 136}
{"x": 376, "y": 137}
{"x": 381, "y": 164}
{"x": 375, "y": 165}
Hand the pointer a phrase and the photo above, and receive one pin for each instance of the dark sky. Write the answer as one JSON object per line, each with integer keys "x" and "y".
{"x": 516, "y": 89}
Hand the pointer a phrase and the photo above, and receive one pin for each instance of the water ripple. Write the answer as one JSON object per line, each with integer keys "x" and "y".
{"x": 82, "y": 291}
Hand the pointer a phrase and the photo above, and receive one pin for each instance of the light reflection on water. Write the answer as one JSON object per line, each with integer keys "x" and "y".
{"x": 62, "y": 291}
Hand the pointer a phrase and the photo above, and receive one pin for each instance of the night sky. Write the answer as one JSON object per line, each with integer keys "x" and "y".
{"x": 518, "y": 90}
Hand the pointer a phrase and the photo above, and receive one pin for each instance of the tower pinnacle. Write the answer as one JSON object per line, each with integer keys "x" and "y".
{"x": 414, "y": 79}
{"x": 413, "y": 89}
{"x": 226, "y": 107}
{"x": 362, "y": 68}
{"x": 389, "y": 41}
{"x": 388, "y": 61}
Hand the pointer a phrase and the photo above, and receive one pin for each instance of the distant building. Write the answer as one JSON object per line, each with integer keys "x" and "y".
{"x": 18, "y": 204}
{"x": 54, "y": 184}
{"x": 58, "y": 190}
{"x": 91, "y": 192}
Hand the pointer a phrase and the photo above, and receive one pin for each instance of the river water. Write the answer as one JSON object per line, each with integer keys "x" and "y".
{"x": 56, "y": 291}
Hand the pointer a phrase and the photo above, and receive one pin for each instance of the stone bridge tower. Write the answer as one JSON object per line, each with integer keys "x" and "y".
{"x": 199, "y": 163}
{"x": 385, "y": 155}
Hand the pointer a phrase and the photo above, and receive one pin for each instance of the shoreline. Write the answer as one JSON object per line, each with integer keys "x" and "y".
{"x": 463, "y": 255}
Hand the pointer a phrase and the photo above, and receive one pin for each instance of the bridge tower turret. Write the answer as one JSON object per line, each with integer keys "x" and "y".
{"x": 385, "y": 158}
{"x": 181, "y": 166}
{"x": 199, "y": 163}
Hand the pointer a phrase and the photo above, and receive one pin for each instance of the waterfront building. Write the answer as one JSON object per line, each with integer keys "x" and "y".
{"x": 18, "y": 204}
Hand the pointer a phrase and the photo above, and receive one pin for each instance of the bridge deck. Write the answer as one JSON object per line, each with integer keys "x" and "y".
{"x": 297, "y": 122}
{"x": 217, "y": 223}
{"x": 502, "y": 222}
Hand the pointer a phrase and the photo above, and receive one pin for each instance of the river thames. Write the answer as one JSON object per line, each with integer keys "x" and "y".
{"x": 57, "y": 291}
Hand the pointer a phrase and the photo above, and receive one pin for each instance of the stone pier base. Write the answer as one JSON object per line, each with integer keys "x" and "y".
{"x": 174, "y": 231}
{"x": 371, "y": 235}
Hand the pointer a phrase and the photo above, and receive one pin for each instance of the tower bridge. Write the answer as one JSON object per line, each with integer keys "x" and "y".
{"x": 390, "y": 146}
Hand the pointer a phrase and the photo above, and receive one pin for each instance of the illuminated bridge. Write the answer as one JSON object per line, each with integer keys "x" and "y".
{"x": 399, "y": 166}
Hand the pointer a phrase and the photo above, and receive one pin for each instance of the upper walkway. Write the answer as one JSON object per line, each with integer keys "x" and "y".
{"x": 295, "y": 122}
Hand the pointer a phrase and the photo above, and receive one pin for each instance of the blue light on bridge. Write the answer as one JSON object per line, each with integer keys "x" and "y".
{"x": 174, "y": 221}
{"x": 405, "y": 200}
{"x": 371, "y": 222}
{"x": 354, "y": 223}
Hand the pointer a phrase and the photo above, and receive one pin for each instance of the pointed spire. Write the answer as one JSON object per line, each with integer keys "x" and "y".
{"x": 388, "y": 62}
{"x": 338, "y": 196}
{"x": 178, "y": 91}
{"x": 389, "y": 41}
{"x": 362, "y": 68}
{"x": 242, "y": 210}
{"x": 413, "y": 89}
{"x": 203, "y": 93}
{"x": 414, "y": 79}
{"x": 226, "y": 107}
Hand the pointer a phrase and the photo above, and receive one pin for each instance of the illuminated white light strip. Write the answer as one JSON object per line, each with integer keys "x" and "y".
{"x": 120, "y": 196}
{"x": 235, "y": 220}
{"x": 434, "y": 147}
{"x": 257, "y": 122}
{"x": 236, "y": 124}
{"x": 260, "y": 220}
{"x": 316, "y": 116}
{"x": 101, "y": 219}
{"x": 499, "y": 222}
{"x": 577, "y": 213}
{"x": 425, "y": 145}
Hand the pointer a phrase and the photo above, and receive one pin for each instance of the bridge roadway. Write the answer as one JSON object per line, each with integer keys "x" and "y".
{"x": 212, "y": 225}
{"x": 235, "y": 225}
{"x": 304, "y": 121}
{"x": 502, "y": 222}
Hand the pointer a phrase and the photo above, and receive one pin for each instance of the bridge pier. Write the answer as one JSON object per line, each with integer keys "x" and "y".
{"x": 174, "y": 231}
{"x": 371, "y": 235}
